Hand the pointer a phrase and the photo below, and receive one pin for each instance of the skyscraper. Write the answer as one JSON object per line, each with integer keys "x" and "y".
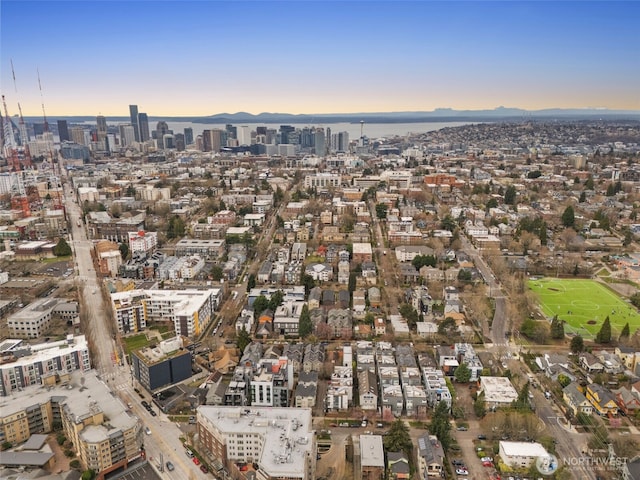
{"x": 127, "y": 135}
{"x": 133, "y": 113}
{"x": 143, "y": 127}
{"x": 161, "y": 130}
{"x": 320, "y": 145}
{"x": 188, "y": 136}
{"x": 101, "y": 122}
{"x": 63, "y": 131}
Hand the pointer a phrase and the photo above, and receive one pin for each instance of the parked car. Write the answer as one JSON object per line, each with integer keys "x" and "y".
{"x": 487, "y": 464}
{"x": 457, "y": 462}
{"x": 170, "y": 466}
{"x": 461, "y": 471}
{"x": 196, "y": 461}
{"x": 462, "y": 429}
{"x": 204, "y": 469}
{"x": 147, "y": 430}
{"x": 486, "y": 459}
{"x": 482, "y": 437}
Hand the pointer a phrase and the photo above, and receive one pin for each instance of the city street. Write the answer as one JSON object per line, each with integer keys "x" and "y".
{"x": 108, "y": 359}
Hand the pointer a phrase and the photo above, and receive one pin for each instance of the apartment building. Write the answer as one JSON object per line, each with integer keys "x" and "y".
{"x": 279, "y": 440}
{"x": 190, "y": 311}
{"x": 165, "y": 364}
{"x": 26, "y": 365}
{"x": 104, "y": 434}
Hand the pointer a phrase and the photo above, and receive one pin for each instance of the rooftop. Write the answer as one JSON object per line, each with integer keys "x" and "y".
{"x": 288, "y": 438}
{"x": 371, "y": 451}
{"x": 523, "y": 449}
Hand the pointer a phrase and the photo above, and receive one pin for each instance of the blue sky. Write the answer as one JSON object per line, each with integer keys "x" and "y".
{"x": 207, "y": 57}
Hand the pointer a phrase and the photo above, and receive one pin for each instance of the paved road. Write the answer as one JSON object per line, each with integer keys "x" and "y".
{"x": 499, "y": 326}
{"x": 112, "y": 366}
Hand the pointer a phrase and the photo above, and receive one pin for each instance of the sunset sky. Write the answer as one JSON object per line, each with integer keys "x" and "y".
{"x": 207, "y": 57}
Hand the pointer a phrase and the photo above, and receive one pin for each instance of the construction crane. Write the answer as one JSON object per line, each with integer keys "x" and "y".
{"x": 54, "y": 183}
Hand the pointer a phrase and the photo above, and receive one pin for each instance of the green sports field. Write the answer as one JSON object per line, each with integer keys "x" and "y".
{"x": 584, "y": 304}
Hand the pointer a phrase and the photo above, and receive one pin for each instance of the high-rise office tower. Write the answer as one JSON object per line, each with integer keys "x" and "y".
{"x": 232, "y": 132}
{"x": 63, "y": 131}
{"x": 319, "y": 143}
{"x": 261, "y": 130}
{"x": 101, "y": 122}
{"x": 133, "y": 113}
{"x": 284, "y": 133}
{"x": 161, "y": 130}
{"x": 179, "y": 141}
{"x": 188, "y": 136}
{"x": 213, "y": 140}
{"x": 244, "y": 135}
{"x": 143, "y": 127}
{"x": 77, "y": 135}
{"x": 127, "y": 135}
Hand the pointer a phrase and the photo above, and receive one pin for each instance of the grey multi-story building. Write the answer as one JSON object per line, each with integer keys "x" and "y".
{"x": 166, "y": 364}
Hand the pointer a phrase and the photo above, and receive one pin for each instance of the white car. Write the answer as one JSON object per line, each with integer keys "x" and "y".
{"x": 461, "y": 471}
{"x": 486, "y": 459}
{"x": 147, "y": 430}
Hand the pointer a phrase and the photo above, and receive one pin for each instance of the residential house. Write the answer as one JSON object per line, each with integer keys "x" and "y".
{"x": 313, "y": 358}
{"x": 602, "y": 400}
{"x": 398, "y": 466}
{"x": 368, "y": 388}
{"x": 392, "y": 401}
{"x": 380, "y": 326}
{"x": 415, "y": 400}
{"x": 306, "y": 390}
{"x": 575, "y": 400}
{"x": 315, "y": 295}
{"x": 611, "y": 362}
{"x": 590, "y": 363}
{"x": 340, "y": 321}
{"x": 628, "y": 402}
{"x": 447, "y": 359}
{"x": 430, "y": 457}
{"x": 375, "y": 298}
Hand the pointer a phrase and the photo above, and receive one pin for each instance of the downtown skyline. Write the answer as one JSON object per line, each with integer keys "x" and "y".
{"x": 207, "y": 57}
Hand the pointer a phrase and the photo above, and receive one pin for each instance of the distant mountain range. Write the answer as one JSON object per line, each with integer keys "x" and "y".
{"x": 437, "y": 115}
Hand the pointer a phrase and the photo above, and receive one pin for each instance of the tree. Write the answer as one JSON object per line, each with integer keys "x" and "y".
{"x": 421, "y": 260}
{"x": 305, "y": 327}
{"x": 604, "y": 335}
{"x": 88, "y": 475}
{"x": 583, "y": 197}
{"x": 557, "y": 328}
{"x": 440, "y": 425}
{"x": 624, "y": 335}
{"x": 611, "y": 190}
{"x": 308, "y": 282}
{"x": 353, "y": 278}
{"x": 251, "y": 282}
{"x": 381, "y": 210}
{"x": 260, "y": 304}
{"x": 479, "y": 407}
{"x": 568, "y": 217}
{"x": 635, "y": 300}
{"x": 510, "y": 195}
{"x": 522, "y": 402}
{"x": 124, "y": 250}
{"x": 542, "y": 234}
{"x": 216, "y": 273}
{"x": 398, "y": 438}
{"x": 448, "y": 327}
{"x": 492, "y": 203}
{"x": 563, "y": 380}
{"x": 410, "y": 314}
{"x": 243, "y": 339}
{"x": 276, "y": 300}
{"x": 464, "y": 275}
{"x": 588, "y": 184}
{"x": 448, "y": 223}
{"x": 369, "y": 318}
{"x": 462, "y": 374}
{"x": 62, "y": 249}
{"x": 577, "y": 344}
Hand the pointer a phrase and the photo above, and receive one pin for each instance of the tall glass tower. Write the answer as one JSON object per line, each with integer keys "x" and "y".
{"x": 133, "y": 113}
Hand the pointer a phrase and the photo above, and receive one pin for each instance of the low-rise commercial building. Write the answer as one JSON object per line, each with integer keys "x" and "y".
{"x": 162, "y": 365}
